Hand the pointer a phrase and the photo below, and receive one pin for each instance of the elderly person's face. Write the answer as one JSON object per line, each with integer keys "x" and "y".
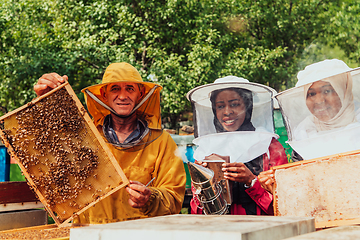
{"x": 323, "y": 101}
{"x": 122, "y": 97}
{"x": 230, "y": 110}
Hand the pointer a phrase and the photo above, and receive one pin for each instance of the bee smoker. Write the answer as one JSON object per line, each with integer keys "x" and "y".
{"x": 208, "y": 190}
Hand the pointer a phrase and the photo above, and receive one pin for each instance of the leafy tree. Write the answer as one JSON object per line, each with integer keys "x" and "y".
{"x": 343, "y": 29}
{"x": 180, "y": 44}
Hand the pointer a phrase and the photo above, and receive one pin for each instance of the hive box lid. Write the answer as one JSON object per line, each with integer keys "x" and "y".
{"x": 195, "y": 227}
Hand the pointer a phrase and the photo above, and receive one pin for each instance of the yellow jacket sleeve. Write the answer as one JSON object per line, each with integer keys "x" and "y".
{"x": 168, "y": 190}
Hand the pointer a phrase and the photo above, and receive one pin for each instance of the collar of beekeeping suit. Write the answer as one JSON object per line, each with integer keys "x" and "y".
{"x": 243, "y": 144}
{"x": 148, "y": 107}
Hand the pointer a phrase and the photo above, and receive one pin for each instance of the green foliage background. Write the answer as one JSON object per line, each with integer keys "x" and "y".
{"x": 180, "y": 44}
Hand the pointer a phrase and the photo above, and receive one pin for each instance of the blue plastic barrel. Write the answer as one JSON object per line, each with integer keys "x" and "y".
{"x": 4, "y": 163}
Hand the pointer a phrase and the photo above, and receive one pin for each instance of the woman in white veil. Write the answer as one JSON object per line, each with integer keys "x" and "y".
{"x": 233, "y": 117}
{"x": 331, "y": 104}
{"x": 321, "y": 110}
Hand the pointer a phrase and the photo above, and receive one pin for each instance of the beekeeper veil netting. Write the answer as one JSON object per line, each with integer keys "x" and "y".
{"x": 232, "y": 117}
{"x": 321, "y": 112}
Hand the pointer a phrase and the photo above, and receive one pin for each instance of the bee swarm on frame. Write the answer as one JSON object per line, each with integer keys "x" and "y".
{"x": 47, "y": 142}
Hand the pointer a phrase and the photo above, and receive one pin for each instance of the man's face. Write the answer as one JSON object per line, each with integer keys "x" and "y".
{"x": 323, "y": 101}
{"x": 122, "y": 97}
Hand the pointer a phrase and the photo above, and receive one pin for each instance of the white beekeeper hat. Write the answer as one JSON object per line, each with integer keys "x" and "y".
{"x": 321, "y": 70}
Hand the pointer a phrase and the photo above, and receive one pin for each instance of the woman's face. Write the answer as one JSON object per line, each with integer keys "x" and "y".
{"x": 230, "y": 110}
{"x": 323, "y": 101}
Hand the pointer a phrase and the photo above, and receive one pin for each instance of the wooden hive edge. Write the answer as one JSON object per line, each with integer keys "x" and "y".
{"x": 16, "y": 192}
{"x": 303, "y": 162}
{"x": 275, "y": 205}
{"x": 67, "y": 221}
{"x": 41, "y": 227}
{"x": 337, "y": 223}
{"x": 46, "y": 227}
{"x": 35, "y": 100}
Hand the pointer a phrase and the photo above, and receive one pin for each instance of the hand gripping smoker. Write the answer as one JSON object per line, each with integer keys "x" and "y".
{"x": 213, "y": 194}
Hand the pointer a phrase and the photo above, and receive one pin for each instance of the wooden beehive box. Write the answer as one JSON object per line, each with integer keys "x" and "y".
{"x": 326, "y": 188}
{"x": 51, "y": 231}
{"x": 65, "y": 160}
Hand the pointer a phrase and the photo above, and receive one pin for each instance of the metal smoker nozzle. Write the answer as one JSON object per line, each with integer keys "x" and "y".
{"x": 199, "y": 174}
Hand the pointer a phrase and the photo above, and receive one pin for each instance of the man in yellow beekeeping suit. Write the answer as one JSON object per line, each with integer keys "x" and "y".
{"x": 126, "y": 111}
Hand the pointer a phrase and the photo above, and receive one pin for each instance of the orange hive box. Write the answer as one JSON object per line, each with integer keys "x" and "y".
{"x": 65, "y": 160}
{"x": 326, "y": 188}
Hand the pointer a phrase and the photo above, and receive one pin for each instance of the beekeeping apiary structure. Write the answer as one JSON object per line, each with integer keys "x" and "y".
{"x": 325, "y": 188}
{"x": 65, "y": 160}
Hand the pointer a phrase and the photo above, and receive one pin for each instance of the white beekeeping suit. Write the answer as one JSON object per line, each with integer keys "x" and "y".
{"x": 322, "y": 111}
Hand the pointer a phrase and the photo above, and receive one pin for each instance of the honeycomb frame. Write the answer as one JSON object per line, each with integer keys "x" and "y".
{"x": 62, "y": 155}
{"x": 325, "y": 188}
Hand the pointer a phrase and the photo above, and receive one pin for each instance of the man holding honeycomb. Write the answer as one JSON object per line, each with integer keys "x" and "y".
{"x": 126, "y": 111}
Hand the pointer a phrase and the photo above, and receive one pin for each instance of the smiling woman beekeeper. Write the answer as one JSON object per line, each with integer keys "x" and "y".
{"x": 234, "y": 117}
{"x": 322, "y": 111}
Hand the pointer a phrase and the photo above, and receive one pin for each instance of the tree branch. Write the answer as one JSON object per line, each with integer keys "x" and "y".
{"x": 90, "y": 63}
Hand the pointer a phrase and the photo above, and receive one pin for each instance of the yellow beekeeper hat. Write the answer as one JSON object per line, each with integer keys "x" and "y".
{"x": 124, "y": 72}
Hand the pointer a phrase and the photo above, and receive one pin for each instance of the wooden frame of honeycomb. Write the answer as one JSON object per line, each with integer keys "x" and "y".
{"x": 325, "y": 188}
{"x": 65, "y": 160}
